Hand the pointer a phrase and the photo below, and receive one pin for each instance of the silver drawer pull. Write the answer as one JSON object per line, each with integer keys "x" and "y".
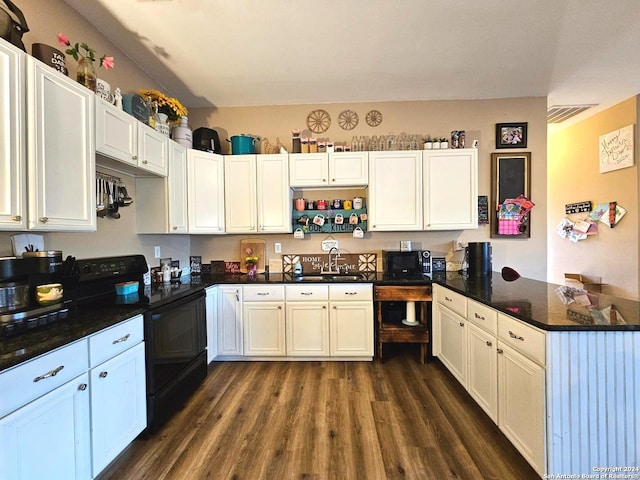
{"x": 480, "y": 317}
{"x": 499, "y": 350}
{"x": 350, "y": 293}
{"x": 489, "y": 343}
{"x": 262, "y": 293}
{"x": 103, "y": 374}
{"x": 306, "y": 293}
{"x": 82, "y": 387}
{"x": 50, "y": 373}
{"x": 461, "y": 324}
{"x": 448, "y": 299}
{"x": 122, "y": 339}
{"x": 515, "y": 337}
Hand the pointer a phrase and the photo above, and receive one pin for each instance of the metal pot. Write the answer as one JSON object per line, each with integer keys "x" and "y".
{"x": 46, "y": 261}
{"x": 243, "y": 144}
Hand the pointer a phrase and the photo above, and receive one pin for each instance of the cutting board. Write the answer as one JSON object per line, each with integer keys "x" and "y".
{"x": 256, "y": 247}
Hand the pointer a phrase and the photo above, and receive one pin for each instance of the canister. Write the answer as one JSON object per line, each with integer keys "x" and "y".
{"x": 357, "y": 202}
{"x": 346, "y": 204}
{"x": 336, "y": 203}
{"x": 321, "y": 204}
{"x": 299, "y": 204}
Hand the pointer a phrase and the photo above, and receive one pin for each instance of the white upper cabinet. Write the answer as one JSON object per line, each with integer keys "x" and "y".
{"x": 177, "y": 189}
{"x": 450, "y": 189}
{"x": 257, "y": 194}
{"x": 121, "y": 137}
{"x": 13, "y": 215}
{"x": 328, "y": 169}
{"x": 395, "y": 191}
{"x": 348, "y": 168}
{"x": 61, "y": 151}
{"x": 205, "y": 187}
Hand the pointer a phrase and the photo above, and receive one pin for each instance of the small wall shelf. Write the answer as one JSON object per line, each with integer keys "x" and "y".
{"x": 330, "y": 226}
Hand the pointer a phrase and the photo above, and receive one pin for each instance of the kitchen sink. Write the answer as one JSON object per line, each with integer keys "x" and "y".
{"x": 329, "y": 277}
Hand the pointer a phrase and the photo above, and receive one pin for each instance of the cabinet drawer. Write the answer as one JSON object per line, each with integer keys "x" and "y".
{"x": 452, "y": 300}
{"x": 263, "y": 293}
{"x": 482, "y": 316}
{"x": 39, "y": 376}
{"x": 525, "y": 339}
{"x": 350, "y": 291}
{"x": 114, "y": 340}
{"x": 307, "y": 292}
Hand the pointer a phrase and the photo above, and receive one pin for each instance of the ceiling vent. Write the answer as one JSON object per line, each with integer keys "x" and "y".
{"x": 560, "y": 113}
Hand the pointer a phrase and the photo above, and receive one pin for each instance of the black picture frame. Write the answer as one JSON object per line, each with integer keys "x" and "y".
{"x": 511, "y": 135}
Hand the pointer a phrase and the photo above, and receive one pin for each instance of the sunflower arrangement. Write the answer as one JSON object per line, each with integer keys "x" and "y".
{"x": 167, "y": 105}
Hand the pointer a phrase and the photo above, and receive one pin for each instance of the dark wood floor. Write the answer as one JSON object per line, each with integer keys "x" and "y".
{"x": 326, "y": 420}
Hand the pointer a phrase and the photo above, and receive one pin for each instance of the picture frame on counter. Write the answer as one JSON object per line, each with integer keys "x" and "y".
{"x": 511, "y": 135}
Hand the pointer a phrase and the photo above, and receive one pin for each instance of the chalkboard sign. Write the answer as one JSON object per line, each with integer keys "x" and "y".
{"x": 511, "y": 177}
{"x": 577, "y": 207}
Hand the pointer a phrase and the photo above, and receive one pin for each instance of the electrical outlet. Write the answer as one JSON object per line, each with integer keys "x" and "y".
{"x": 277, "y": 247}
{"x": 156, "y": 252}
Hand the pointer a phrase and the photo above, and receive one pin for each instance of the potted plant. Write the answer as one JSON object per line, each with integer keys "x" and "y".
{"x": 251, "y": 262}
{"x": 436, "y": 143}
{"x": 428, "y": 143}
{"x": 444, "y": 143}
{"x": 169, "y": 106}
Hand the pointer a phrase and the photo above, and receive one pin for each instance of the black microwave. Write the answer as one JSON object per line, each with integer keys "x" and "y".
{"x": 416, "y": 263}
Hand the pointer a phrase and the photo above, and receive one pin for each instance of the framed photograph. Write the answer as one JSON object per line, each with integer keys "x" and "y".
{"x": 511, "y": 135}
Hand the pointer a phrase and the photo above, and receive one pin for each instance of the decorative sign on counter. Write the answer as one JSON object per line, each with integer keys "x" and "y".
{"x": 616, "y": 149}
{"x": 317, "y": 262}
{"x": 577, "y": 207}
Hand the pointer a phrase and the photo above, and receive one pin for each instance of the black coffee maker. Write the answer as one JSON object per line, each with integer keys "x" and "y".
{"x": 478, "y": 259}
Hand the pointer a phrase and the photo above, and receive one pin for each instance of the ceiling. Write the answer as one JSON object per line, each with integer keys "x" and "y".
{"x": 282, "y": 52}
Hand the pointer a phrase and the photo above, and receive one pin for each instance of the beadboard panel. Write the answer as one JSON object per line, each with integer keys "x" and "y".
{"x": 593, "y": 394}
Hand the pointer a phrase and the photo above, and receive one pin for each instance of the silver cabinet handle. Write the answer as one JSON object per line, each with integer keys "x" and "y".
{"x": 461, "y": 324}
{"x": 135, "y": 157}
{"x": 237, "y": 297}
{"x": 489, "y": 343}
{"x": 324, "y": 307}
{"x": 175, "y": 228}
{"x": 262, "y": 294}
{"x": 44, "y": 219}
{"x": 50, "y": 373}
{"x": 82, "y": 387}
{"x": 144, "y": 162}
{"x": 480, "y": 317}
{"x": 17, "y": 218}
{"x": 448, "y": 299}
{"x": 122, "y": 339}
{"x": 279, "y": 307}
{"x": 499, "y": 350}
{"x": 306, "y": 293}
{"x": 350, "y": 293}
{"x": 515, "y": 337}
{"x": 103, "y": 374}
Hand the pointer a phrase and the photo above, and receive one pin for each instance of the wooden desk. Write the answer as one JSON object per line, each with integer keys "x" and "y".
{"x": 397, "y": 332}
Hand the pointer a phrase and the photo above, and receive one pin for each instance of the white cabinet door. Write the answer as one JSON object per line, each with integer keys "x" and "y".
{"x": 348, "y": 168}
{"x": 351, "y": 329}
{"x": 482, "y": 379}
{"x": 395, "y": 191}
{"x": 116, "y": 133}
{"x": 205, "y": 181}
{"x": 240, "y": 193}
{"x": 177, "y": 189}
{"x": 308, "y": 170}
{"x": 264, "y": 328}
{"x": 451, "y": 342}
{"x": 274, "y": 197}
{"x": 451, "y": 189}
{"x": 152, "y": 150}
{"x": 211, "y": 309}
{"x": 229, "y": 320}
{"x": 13, "y": 214}
{"x": 49, "y": 437}
{"x": 307, "y": 329}
{"x": 61, "y": 151}
{"x": 118, "y": 405}
{"x": 521, "y": 405}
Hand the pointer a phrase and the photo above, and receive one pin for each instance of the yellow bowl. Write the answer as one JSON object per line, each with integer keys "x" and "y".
{"x": 49, "y": 294}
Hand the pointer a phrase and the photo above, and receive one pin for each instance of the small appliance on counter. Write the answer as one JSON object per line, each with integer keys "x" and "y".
{"x": 478, "y": 259}
{"x": 414, "y": 264}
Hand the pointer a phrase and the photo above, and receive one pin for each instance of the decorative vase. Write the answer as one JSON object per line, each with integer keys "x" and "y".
{"x": 182, "y": 133}
{"x": 252, "y": 270}
{"x": 86, "y": 74}
{"x": 161, "y": 124}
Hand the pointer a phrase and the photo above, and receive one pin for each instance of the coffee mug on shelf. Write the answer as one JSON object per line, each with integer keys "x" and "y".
{"x": 338, "y": 219}
{"x": 299, "y": 204}
{"x": 346, "y": 205}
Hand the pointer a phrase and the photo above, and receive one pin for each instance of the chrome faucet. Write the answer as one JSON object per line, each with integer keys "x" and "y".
{"x": 337, "y": 270}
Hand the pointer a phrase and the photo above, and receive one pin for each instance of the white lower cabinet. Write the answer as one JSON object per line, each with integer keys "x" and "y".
{"x": 229, "y": 320}
{"x": 351, "y": 320}
{"x": 263, "y": 316}
{"x": 501, "y": 362}
{"x": 49, "y": 437}
{"x": 307, "y": 323}
{"x": 211, "y": 312}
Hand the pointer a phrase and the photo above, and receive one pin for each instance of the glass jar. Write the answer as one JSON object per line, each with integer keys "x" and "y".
{"x": 86, "y": 74}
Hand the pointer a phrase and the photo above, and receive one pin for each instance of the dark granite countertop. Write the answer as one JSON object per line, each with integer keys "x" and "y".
{"x": 535, "y": 302}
